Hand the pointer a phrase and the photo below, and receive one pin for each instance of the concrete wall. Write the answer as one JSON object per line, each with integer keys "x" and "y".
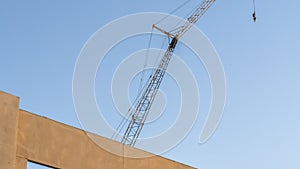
{"x": 28, "y": 137}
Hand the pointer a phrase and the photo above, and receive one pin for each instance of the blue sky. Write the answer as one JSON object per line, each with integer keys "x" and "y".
{"x": 31, "y": 165}
{"x": 40, "y": 42}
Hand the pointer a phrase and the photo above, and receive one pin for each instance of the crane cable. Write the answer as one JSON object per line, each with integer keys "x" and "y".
{"x": 159, "y": 56}
{"x": 146, "y": 61}
{"x": 142, "y": 85}
{"x": 140, "y": 89}
{"x": 172, "y": 12}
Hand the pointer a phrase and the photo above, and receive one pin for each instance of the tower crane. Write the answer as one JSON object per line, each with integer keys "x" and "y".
{"x": 141, "y": 110}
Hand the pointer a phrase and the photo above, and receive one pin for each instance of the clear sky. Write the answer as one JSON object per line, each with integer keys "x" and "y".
{"x": 41, "y": 40}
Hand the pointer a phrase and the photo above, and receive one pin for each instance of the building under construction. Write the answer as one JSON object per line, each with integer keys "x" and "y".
{"x": 26, "y": 137}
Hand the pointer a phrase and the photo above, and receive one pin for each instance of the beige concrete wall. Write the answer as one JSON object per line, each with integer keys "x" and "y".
{"x": 26, "y": 136}
{"x": 55, "y": 144}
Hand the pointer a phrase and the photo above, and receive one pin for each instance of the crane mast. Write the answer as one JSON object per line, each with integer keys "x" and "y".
{"x": 141, "y": 110}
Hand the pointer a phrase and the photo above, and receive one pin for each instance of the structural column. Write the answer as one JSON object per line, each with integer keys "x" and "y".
{"x": 9, "y": 112}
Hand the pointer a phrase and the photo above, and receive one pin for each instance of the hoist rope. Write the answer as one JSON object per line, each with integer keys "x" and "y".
{"x": 146, "y": 61}
{"x": 158, "y": 56}
{"x": 172, "y": 12}
{"x": 141, "y": 87}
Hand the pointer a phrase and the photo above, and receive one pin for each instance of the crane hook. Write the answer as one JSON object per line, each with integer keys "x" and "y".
{"x": 254, "y": 15}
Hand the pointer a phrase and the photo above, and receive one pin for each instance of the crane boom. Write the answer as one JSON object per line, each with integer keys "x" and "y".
{"x": 142, "y": 108}
{"x": 204, "y": 6}
{"x": 140, "y": 112}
